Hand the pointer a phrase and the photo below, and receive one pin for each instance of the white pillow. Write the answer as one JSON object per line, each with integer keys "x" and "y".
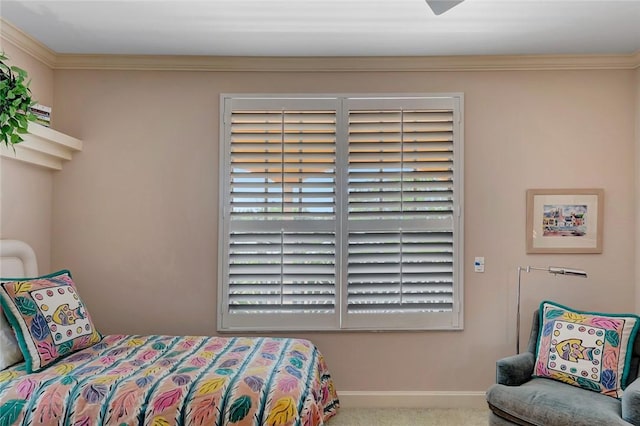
{"x": 9, "y": 349}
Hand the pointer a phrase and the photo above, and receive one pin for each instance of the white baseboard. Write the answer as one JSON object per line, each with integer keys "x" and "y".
{"x": 411, "y": 399}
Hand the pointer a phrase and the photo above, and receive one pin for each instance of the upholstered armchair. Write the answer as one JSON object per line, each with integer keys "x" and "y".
{"x": 520, "y": 399}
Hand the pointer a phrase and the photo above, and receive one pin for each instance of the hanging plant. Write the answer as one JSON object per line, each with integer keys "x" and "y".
{"x": 15, "y": 100}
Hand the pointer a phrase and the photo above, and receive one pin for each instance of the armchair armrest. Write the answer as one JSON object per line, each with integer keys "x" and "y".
{"x": 516, "y": 370}
{"x": 631, "y": 403}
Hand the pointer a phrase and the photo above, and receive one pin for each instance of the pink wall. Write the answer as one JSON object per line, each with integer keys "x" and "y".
{"x": 135, "y": 214}
{"x": 637, "y": 181}
{"x": 27, "y": 191}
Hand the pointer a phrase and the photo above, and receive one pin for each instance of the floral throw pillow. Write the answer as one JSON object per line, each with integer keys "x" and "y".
{"x": 48, "y": 317}
{"x": 585, "y": 349}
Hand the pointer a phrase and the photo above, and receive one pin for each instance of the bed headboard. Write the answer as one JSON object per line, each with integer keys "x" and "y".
{"x": 17, "y": 260}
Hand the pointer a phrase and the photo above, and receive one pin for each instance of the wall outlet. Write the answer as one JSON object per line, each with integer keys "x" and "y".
{"x": 478, "y": 264}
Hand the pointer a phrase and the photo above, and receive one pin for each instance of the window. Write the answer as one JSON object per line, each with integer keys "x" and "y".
{"x": 341, "y": 212}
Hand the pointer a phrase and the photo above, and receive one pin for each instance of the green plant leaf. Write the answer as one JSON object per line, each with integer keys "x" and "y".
{"x": 19, "y": 71}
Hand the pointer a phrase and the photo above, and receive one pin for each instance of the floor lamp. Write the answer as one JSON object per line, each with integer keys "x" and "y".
{"x": 555, "y": 270}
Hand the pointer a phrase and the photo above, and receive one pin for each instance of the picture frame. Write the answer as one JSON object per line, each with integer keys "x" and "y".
{"x": 565, "y": 220}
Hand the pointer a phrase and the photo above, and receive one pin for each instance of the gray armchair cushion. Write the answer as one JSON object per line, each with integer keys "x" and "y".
{"x": 546, "y": 402}
{"x": 631, "y": 403}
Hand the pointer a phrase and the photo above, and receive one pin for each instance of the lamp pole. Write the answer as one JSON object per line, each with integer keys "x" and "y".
{"x": 555, "y": 270}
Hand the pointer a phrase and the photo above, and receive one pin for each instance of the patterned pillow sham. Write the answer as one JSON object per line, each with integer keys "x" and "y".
{"x": 48, "y": 317}
{"x": 586, "y": 349}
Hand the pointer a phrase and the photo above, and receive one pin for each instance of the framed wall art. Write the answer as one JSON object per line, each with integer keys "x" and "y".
{"x": 564, "y": 220}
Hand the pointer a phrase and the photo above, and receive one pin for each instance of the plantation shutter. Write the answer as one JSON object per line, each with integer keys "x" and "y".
{"x": 401, "y": 214}
{"x": 281, "y": 216}
{"x": 340, "y": 213}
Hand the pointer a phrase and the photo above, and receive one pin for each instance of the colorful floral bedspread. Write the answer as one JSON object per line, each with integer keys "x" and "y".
{"x": 166, "y": 380}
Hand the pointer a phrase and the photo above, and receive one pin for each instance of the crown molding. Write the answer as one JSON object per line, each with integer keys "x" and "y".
{"x": 27, "y": 44}
{"x": 313, "y": 64}
{"x": 635, "y": 58}
{"x": 348, "y": 64}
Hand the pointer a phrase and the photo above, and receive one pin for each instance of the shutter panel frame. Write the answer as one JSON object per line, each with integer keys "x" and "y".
{"x": 410, "y": 284}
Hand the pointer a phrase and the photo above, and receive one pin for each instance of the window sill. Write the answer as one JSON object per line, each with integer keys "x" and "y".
{"x": 43, "y": 147}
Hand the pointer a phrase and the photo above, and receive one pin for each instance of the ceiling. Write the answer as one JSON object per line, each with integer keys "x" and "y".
{"x": 328, "y": 27}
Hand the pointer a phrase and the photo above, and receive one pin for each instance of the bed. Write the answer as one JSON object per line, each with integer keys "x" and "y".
{"x": 91, "y": 379}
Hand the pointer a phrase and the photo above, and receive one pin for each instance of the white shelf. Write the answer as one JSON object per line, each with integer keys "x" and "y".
{"x": 43, "y": 147}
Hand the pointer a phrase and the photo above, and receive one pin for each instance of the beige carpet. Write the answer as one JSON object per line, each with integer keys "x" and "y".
{"x": 409, "y": 417}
